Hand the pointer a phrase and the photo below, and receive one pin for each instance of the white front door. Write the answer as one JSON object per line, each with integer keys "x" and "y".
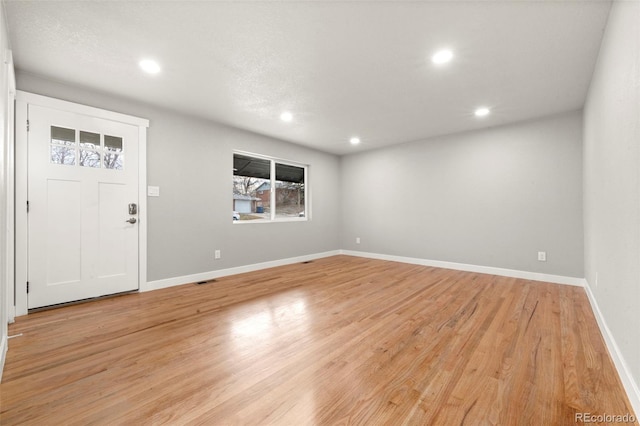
{"x": 82, "y": 223}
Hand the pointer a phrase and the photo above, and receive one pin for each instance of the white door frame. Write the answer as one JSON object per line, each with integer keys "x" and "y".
{"x": 23, "y": 99}
{"x": 10, "y": 189}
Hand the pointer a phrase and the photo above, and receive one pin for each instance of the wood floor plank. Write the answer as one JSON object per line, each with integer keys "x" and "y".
{"x": 341, "y": 340}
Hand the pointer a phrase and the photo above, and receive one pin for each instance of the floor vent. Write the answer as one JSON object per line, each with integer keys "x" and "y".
{"x": 205, "y": 282}
{"x": 308, "y": 261}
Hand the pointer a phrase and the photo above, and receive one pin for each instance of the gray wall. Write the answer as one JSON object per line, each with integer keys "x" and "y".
{"x": 191, "y": 160}
{"x": 493, "y": 197}
{"x": 612, "y": 181}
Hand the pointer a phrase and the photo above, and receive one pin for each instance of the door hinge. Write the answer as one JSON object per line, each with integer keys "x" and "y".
{"x": 27, "y": 125}
{"x": 27, "y": 287}
{"x": 27, "y": 207}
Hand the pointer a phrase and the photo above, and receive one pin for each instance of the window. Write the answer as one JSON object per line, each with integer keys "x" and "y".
{"x": 113, "y": 154}
{"x": 268, "y": 189}
{"x": 63, "y": 146}
{"x": 89, "y": 149}
{"x": 64, "y": 149}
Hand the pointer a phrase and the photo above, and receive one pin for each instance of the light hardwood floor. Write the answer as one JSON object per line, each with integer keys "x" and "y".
{"x": 341, "y": 340}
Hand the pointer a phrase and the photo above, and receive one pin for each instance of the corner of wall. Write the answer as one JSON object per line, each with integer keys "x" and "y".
{"x": 611, "y": 212}
{"x": 624, "y": 372}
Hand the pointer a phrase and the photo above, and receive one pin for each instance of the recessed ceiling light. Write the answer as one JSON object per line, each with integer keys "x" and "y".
{"x": 442, "y": 57}
{"x": 286, "y": 116}
{"x": 482, "y": 112}
{"x": 149, "y": 66}
{"x": 354, "y": 140}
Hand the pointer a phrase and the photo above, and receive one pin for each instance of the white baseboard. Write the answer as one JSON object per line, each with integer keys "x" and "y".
{"x": 4, "y": 345}
{"x": 210, "y": 275}
{"x": 534, "y": 276}
{"x": 630, "y": 385}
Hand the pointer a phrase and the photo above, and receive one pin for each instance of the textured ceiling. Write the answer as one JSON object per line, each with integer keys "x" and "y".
{"x": 342, "y": 68}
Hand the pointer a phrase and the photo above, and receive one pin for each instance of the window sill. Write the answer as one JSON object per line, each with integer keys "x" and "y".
{"x": 276, "y": 220}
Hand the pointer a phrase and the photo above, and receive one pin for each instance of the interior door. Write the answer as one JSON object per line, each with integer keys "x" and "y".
{"x": 82, "y": 201}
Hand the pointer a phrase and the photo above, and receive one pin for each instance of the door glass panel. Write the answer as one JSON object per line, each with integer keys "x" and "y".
{"x": 62, "y": 149}
{"x": 113, "y": 153}
{"x": 89, "y": 140}
{"x": 63, "y": 155}
{"x": 89, "y": 158}
{"x": 113, "y": 143}
{"x": 89, "y": 149}
{"x": 62, "y": 136}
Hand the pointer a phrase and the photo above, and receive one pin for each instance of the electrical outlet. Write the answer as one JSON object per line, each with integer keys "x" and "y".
{"x": 357, "y": 240}
{"x": 217, "y": 254}
{"x": 542, "y": 256}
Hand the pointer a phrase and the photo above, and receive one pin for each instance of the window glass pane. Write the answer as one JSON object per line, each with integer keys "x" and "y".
{"x": 61, "y": 154}
{"x": 89, "y": 149}
{"x": 113, "y": 143}
{"x": 252, "y": 167}
{"x": 290, "y": 191}
{"x": 286, "y": 173}
{"x": 89, "y": 140}
{"x": 113, "y": 153}
{"x": 89, "y": 158}
{"x": 62, "y": 136}
{"x": 251, "y": 188}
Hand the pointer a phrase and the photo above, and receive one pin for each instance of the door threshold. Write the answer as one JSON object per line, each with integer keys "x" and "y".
{"x": 77, "y": 302}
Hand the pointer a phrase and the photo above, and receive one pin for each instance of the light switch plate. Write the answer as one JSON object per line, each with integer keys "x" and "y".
{"x": 153, "y": 191}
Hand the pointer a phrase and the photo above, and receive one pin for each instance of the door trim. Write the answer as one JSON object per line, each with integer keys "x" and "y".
{"x": 23, "y": 99}
{"x": 10, "y": 193}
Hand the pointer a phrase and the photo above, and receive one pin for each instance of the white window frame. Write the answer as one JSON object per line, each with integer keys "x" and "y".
{"x": 272, "y": 196}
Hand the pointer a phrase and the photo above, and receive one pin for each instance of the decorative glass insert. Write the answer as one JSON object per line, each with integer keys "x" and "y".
{"x": 113, "y": 153}
{"x": 63, "y": 146}
{"x": 89, "y": 149}
{"x": 86, "y": 149}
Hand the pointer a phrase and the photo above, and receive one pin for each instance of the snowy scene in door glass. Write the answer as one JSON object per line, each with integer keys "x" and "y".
{"x": 89, "y": 149}
{"x": 93, "y": 150}
{"x": 63, "y": 146}
{"x": 113, "y": 153}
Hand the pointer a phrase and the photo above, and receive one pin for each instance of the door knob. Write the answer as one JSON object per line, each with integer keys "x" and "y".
{"x": 131, "y": 220}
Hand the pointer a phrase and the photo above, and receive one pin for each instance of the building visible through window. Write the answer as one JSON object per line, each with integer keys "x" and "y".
{"x": 267, "y": 189}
